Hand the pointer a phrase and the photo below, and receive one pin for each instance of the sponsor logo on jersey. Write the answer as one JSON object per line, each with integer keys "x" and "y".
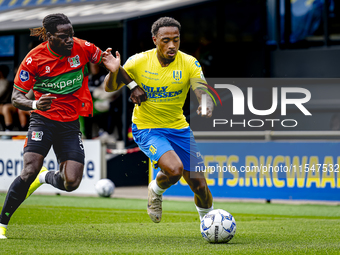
{"x": 60, "y": 85}
{"x": 87, "y": 44}
{"x": 202, "y": 76}
{"x": 197, "y": 64}
{"x": 151, "y": 72}
{"x": 95, "y": 56}
{"x": 74, "y": 62}
{"x": 48, "y": 69}
{"x": 37, "y": 135}
{"x": 177, "y": 75}
{"x": 160, "y": 92}
{"x": 24, "y": 76}
{"x": 65, "y": 83}
{"x": 29, "y": 61}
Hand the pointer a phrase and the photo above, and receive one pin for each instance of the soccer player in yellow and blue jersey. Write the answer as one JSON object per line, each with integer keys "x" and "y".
{"x": 159, "y": 126}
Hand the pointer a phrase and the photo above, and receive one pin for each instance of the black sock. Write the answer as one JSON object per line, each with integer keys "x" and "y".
{"x": 25, "y": 128}
{"x": 9, "y": 127}
{"x": 15, "y": 196}
{"x": 54, "y": 178}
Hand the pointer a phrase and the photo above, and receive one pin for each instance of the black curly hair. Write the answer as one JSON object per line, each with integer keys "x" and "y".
{"x": 164, "y": 22}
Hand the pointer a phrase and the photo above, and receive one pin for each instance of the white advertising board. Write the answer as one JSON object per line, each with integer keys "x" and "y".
{"x": 11, "y": 164}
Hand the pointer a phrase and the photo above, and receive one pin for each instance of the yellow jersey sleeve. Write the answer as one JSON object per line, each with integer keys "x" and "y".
{"x": 129, "y": 66}
{"x": 197, "y": 79}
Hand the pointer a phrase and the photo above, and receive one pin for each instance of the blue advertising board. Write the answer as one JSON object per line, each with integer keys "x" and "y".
{"x": 268, "y": 170}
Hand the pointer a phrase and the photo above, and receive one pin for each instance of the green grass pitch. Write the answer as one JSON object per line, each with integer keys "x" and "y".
{"x": 93, "y": 225}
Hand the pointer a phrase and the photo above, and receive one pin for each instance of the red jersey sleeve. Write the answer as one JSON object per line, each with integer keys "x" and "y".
{"x": 25, "y": 77}
{"x": 93, "y": 53}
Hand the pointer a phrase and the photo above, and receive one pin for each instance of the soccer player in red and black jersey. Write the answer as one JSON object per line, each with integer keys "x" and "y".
{"x": 56, "y": 71}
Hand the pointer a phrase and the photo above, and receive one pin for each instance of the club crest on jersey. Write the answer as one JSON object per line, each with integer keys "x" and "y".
{"x": 24, "y": 76}
{"x": 37, "y": 135}
{"x": 75, "y": 61}
{"x": 177, "y": 75}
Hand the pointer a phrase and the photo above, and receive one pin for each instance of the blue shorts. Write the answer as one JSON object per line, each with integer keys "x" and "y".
{"x": 154, "y": 142}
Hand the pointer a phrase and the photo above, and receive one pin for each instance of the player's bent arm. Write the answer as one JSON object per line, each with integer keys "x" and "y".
{"x": 210, "y": 104}
{"x": 138, "y": 95}
{"x": 110, "y": 82}
{"x": 20, "y": 101}
{"x": 116, "y": 80}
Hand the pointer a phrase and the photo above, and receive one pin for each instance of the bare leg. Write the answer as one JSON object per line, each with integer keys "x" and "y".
{"x": 32, "y": 165}
{"x": 68, "y": 177}
{"x": 198, "y": 185}
{"x": 8, "y": 111}
{"x": 171, "y": 170}
{"x": 23, "y": 118}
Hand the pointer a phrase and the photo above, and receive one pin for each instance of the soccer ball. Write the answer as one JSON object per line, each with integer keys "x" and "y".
{"x": 105, "y": 187}
{"x": 218, "y": 226}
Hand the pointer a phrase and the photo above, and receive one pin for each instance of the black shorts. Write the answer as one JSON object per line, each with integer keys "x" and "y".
{"x": 64, "y": 136}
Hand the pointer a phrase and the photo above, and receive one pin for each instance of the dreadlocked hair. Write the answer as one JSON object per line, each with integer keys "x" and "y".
{"x": 164, "y": 22}
{"x": 39, "y": 32}
{"x": 50, "y": 24}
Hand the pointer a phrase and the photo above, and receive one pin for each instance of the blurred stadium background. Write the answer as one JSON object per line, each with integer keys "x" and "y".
{"x": 234, "y": 38}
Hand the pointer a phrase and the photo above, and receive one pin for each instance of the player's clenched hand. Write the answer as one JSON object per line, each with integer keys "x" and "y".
{"x": 111, "y": 63}
{"x": 209, "y": 111}
{"x": 45, "y": 101}
{"x": 209, "y": 104}
{"x": 138, "y": 95}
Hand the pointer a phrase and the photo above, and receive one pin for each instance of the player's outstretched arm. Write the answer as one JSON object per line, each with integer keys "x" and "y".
{"x": 20, "y": 101}
{"x": 210, "y": 104}
{"x": 118, "y": 77}
{"x": 113, "y": 65}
